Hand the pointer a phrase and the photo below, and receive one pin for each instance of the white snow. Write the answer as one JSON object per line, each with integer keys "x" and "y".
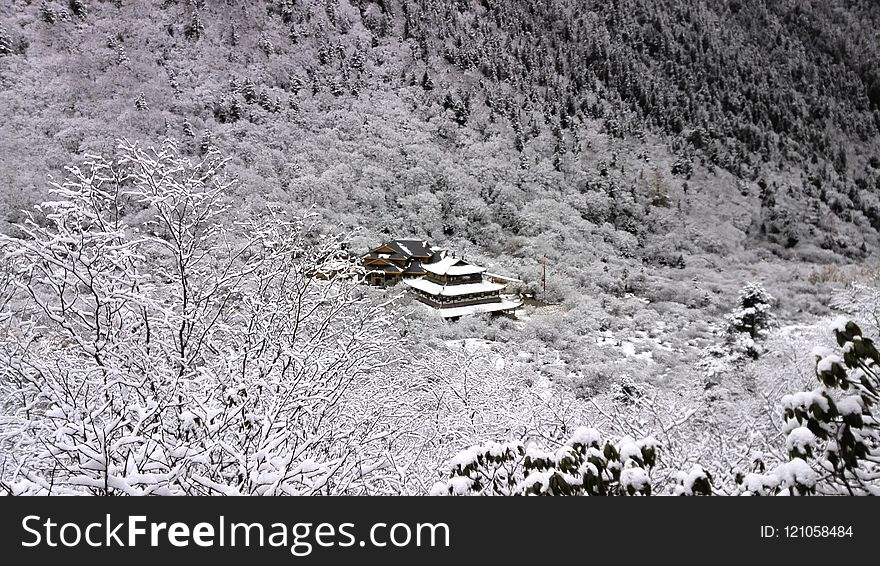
{"x": 687, "y": 480}
{"x": 796, "y": 472}
{"x": 838, "y": 324}
{"x": 586, "y": 436}
{"x": 634, "y": 477}
{"x": 452, "y": 266}
{"x": 805, "y": 399}
{"x": 502, "y": 305}
{"x": 828, "y": 362}
{"x": 851, "y": 405}
{"x": 800, "y": 440}
{"x": 628, "y": 449}
{"x": 452, "y": 290}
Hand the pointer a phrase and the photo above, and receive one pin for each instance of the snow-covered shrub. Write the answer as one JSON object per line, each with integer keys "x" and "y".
{"x": 586, "y": 464}
{"x": 628, "y": 391}
{"x": 695, "y": 482}
{"x": 832, "y": 426}
{"x": 154, "y": 346}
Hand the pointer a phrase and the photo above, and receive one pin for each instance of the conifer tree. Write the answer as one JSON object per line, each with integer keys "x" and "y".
{"x": 195, "y": 28}
{"x": 427, "y": 83}
{"x": 266, "y": 45}
{"x": 207, "y": 143}
{"x": 48, "y": 13}
{"x": 140, "y": 103}
{"x": 5, "y": 42}
{"x": 752, "y": 315}
{"x": 78, "y": 8}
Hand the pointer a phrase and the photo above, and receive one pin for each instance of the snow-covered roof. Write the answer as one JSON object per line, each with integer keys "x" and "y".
{"x": 503, "y": 277}
{"x": 504, "y": 305}
{"x": 453, "y": 266}
{"x": 452, "y": 290}
{"x": 406, "y": 248}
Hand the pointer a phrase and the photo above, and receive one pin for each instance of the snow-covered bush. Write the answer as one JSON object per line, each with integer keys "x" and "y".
{"x": 586, "y": 464}
{"x": 158, "y": 344}
{"x": 832, "y": 426}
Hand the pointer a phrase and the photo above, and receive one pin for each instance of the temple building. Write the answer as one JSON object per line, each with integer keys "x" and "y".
{"x": 457, "y": 288}
{"x": 438, "y": 278}
{"x": 398, "y": 259}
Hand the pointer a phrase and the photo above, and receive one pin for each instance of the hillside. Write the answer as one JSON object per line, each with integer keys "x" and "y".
{"x": 480, "y": 115}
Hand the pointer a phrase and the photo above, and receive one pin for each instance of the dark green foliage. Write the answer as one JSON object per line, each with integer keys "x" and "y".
{"x": 585, "y": 465}
{"x": 846, "y": 424}
{"x": 78, "y": 8}
{"x": 48, "y": 13}
{"x": 834, "y": 426}
{"x": 140, "y": 103}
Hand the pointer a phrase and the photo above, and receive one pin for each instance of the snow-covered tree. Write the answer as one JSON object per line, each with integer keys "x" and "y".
{"x": 195, "y": 28}
{"x": 78, "y": 8}
{"x": 48, "y": 13}
{"x": 5, "y": 42}
{"x": 155, "y": 342}
{"x": 746, "y": 325}
{"x": 752, "y": 315}
{"x": 266, "y": 45}
{"x": 140, "y": 102}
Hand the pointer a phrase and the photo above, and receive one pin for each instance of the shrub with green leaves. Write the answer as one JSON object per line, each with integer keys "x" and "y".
{"x": 832, "y": 427}
{"x": 586, "y": 464}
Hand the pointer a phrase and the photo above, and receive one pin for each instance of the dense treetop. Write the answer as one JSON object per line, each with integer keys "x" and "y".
{"x": 488, "y": 121}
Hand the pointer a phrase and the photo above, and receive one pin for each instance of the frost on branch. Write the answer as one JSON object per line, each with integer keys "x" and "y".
{"x": 585, "y": 465}
{"x": 159, "y": 344}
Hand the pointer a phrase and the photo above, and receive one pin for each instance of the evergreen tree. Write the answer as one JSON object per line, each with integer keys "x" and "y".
{"x": 249, "y": 91}
{"x": 5, "y": 42}
{"x": 48, "y": 13}
{"x": 207, "y": 144}
{"x": 586, "y": 464}
{"x": 78, "y": 8}
{"x": 195, "y": 28}
{"x": 266, "y": 45}
{"x": 234, "y": 111}
{"x": 752, "y": 315}
{"x": 427, "y": 83}
{"x": 140, "y": 103}
{"x": 518, "y": 138}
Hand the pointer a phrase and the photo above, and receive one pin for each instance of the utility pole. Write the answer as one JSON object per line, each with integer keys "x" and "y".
{"x": 544, "y": 278}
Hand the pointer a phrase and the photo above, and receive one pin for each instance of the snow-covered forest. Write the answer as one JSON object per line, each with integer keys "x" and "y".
{"x": 684, "y": 194}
